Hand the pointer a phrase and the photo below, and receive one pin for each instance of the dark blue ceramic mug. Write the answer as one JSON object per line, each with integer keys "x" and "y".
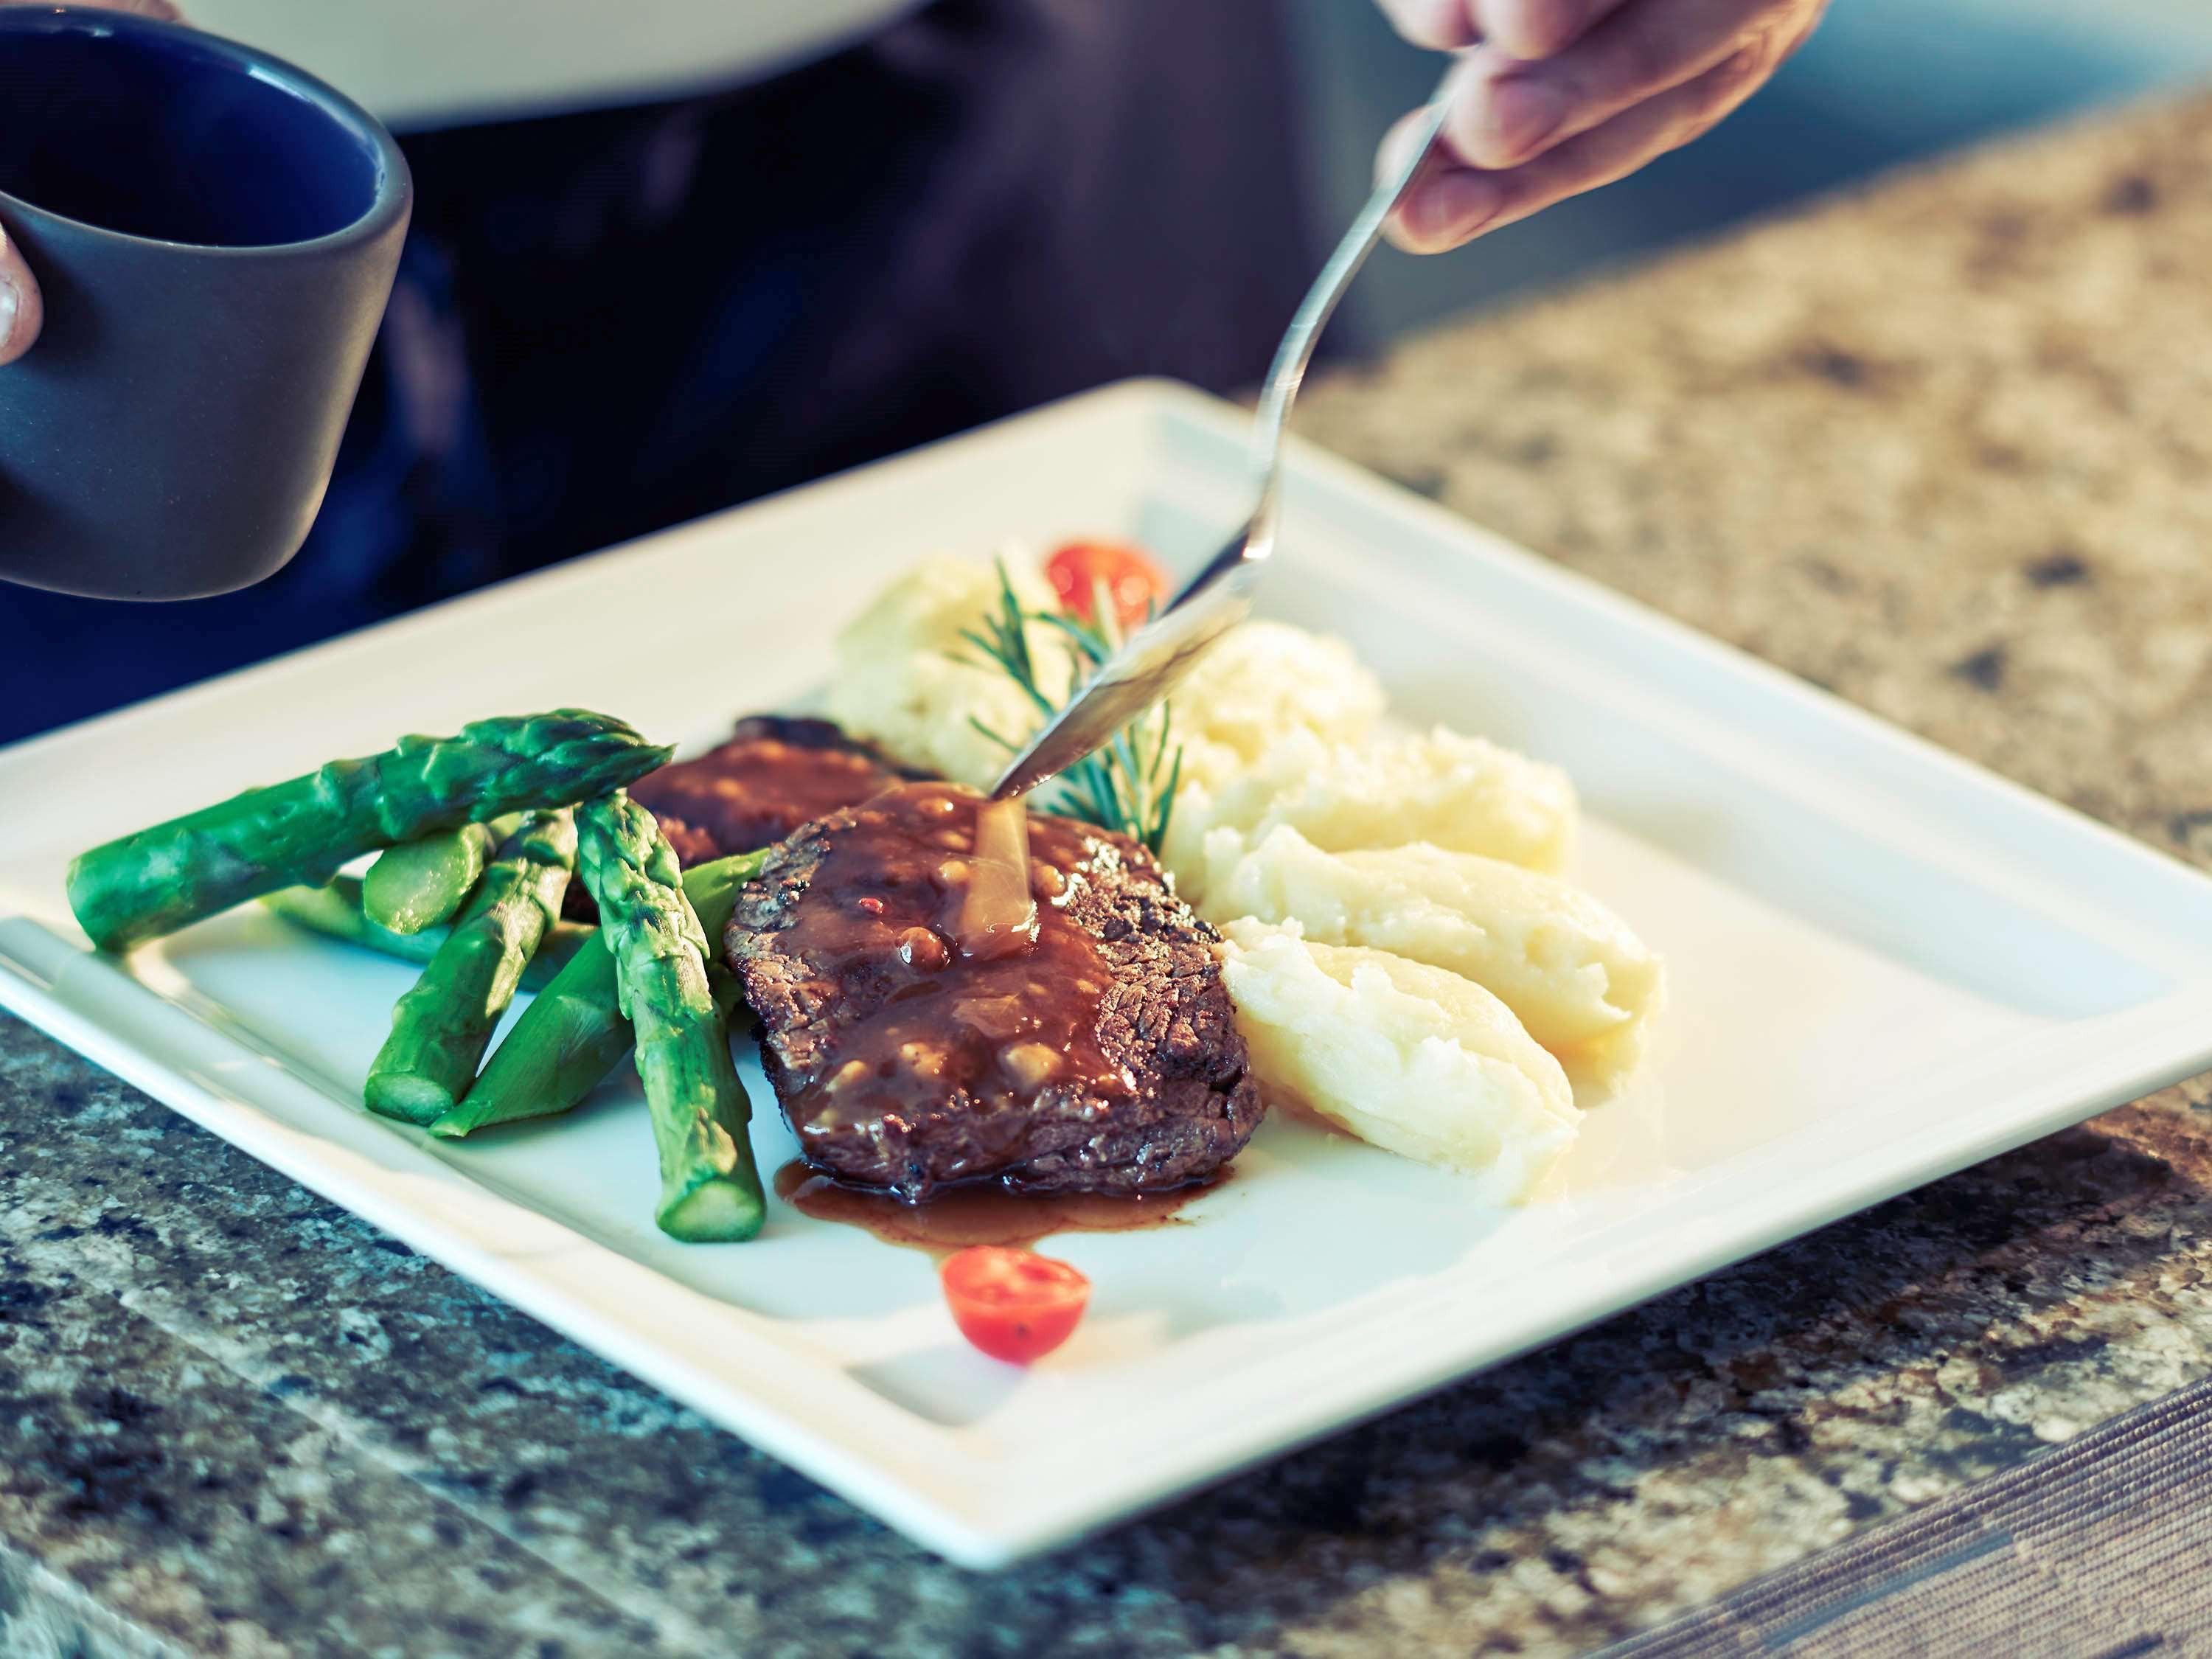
{"x": 215, "y": 233}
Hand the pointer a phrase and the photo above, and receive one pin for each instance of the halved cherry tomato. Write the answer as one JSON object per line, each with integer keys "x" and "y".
{"x": 1129, "y": 575}
{"x": 1015, "y": 1305}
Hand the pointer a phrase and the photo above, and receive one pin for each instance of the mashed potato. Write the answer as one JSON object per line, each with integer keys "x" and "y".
{"x": 1584, "y": 986}
{"x": 906, "y": 680}
{"x": 1265, "y": 681}
{"x": 1464, "y": 794}
{"x": 1412, "y": 1059}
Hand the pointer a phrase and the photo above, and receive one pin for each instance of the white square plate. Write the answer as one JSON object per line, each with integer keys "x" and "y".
{"x": 1887, "y": 964}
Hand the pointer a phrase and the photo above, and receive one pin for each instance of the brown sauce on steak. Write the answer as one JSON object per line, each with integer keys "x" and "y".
{"x": 962, "y": 1216}
{"x": 1093, "y": 1048}
{"x": 885, "y": 904}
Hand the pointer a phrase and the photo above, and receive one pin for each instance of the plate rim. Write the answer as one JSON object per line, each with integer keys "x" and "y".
{"x": 994, "y": 1520}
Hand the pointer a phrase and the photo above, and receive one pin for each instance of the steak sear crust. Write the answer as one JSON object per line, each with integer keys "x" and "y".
{"x": 775, "y": 773}
{"x": 1104, "y": 1058}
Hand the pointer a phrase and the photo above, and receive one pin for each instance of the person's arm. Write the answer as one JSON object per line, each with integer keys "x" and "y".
{"x": 1555, "y": 97}
{"x": 21, "y": 310}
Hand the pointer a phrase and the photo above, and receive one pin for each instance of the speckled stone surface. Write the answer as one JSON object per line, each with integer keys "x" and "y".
{"x": 1944, "y": 449}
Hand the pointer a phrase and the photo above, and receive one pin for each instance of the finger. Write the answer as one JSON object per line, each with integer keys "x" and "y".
{"x": 1395, "y": 149}
{"x": 21, "y": 310}
{"x": 1456, "y": 205}
{"x": 1536, "y": 28}
{"x": 1446, "y": 206}
{"x": 1439, "y": 24}
{"x": 1505, "y": 110}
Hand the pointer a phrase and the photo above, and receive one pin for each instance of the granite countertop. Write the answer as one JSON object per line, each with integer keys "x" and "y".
{"x": 1942, "y": 448}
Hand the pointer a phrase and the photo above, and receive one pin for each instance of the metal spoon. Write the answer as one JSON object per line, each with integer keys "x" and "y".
{"x": 1158, "y": 656}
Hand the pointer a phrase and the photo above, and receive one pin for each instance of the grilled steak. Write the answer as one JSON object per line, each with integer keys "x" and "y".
{"x": 775, "y": 773}
{"x": 1104, "y": 1057}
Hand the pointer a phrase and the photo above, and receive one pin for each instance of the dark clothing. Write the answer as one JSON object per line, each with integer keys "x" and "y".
{"x": 611, "y": 322}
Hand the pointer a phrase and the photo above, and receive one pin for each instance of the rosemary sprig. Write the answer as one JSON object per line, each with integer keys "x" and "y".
{"x": 1130, "y": 784}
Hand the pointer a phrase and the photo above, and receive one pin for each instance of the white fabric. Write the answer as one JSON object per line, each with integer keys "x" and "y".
{"x": 422, "y": 63}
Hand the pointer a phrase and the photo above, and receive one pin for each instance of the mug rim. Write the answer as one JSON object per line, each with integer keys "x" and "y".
{"x": 395, "y": 182}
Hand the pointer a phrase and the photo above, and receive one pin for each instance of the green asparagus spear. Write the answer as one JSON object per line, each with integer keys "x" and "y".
{"x": 420, "y": 883}
{"x": 709, "y": 1190}
{"x": 336, "y": 912}
{"x": 301, "y": 832}
{"x": 573, "y": 1035}
{"x": 442, "y": 1025}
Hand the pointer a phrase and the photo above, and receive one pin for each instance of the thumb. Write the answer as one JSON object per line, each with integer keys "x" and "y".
{"x": 21, "y": 310}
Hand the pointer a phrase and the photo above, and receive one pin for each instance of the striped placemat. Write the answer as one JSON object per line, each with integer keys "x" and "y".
{"x": 2101, "y": 1548}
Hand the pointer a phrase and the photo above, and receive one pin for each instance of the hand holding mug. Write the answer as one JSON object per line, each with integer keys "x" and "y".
{"x": 196, "y": 243}
{"x": 22, "y": 311}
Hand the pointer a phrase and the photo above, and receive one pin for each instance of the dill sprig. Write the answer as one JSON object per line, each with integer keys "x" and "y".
{"x": 1130, "y": 784}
